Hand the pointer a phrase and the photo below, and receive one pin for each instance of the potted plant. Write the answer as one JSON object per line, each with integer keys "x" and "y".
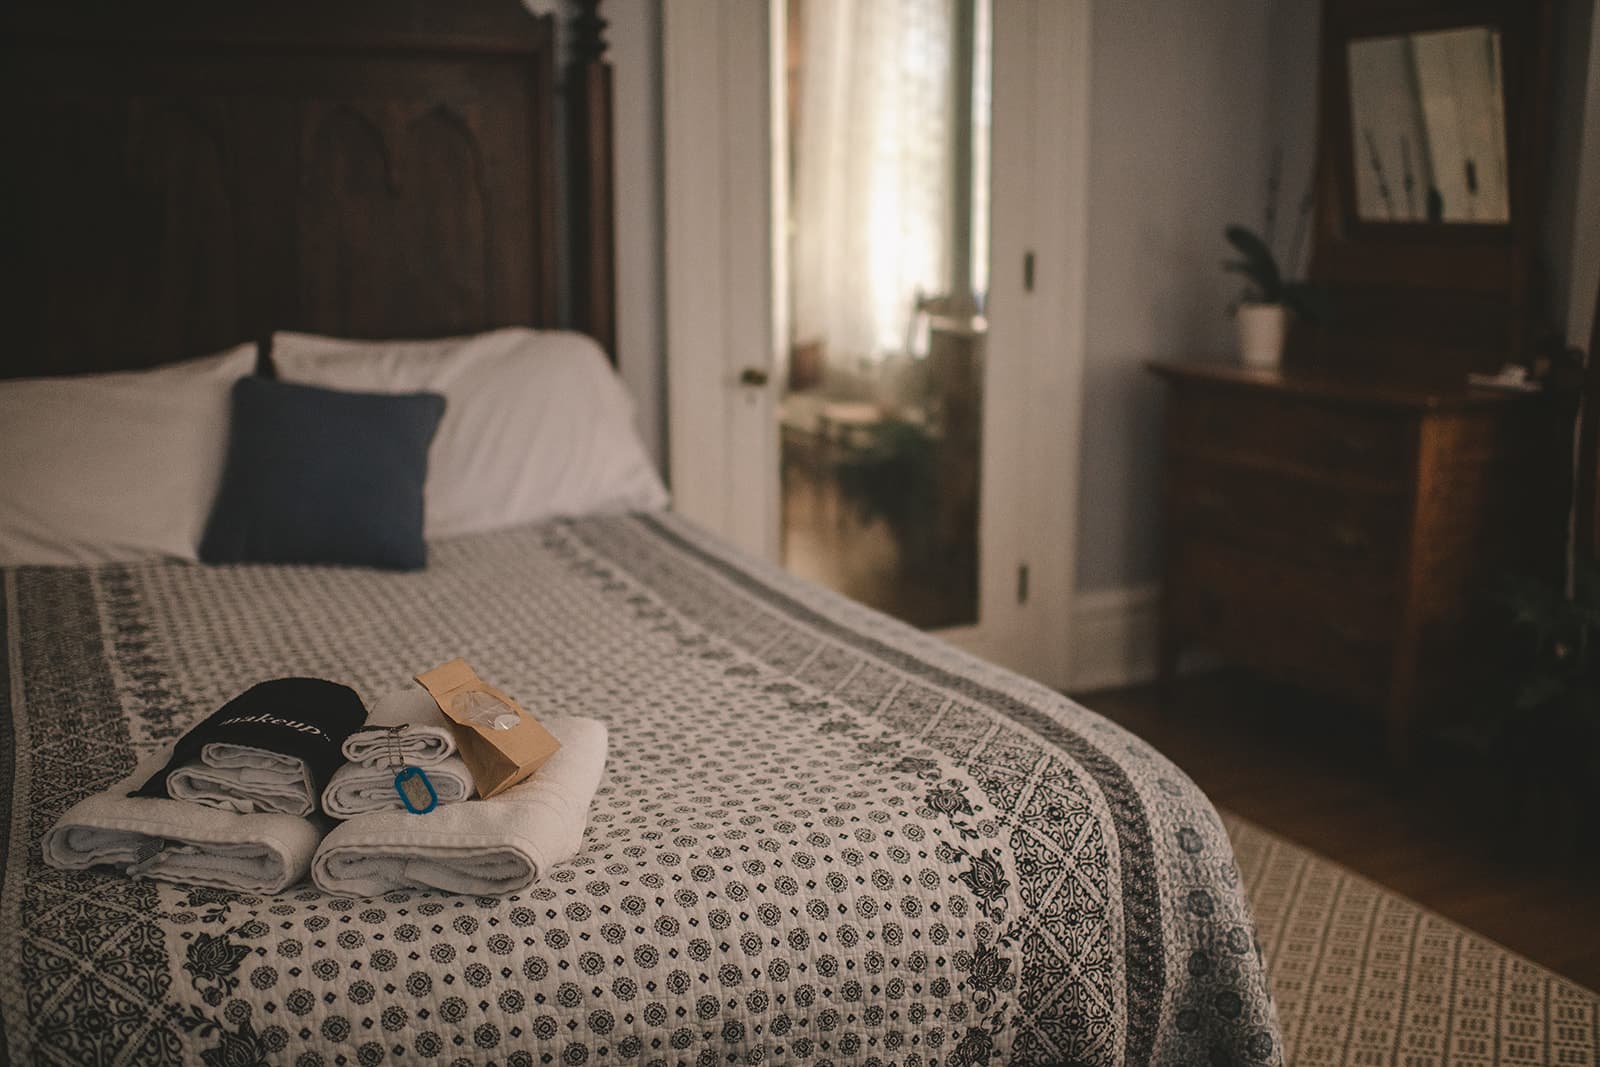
{"x": 896, "y": 478}
{"x": 1541, "y": 723}
{"x": 1264, "y": 309}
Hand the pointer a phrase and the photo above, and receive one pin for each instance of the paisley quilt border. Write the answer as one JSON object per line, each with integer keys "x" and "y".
{"x": 1143, "y": 936}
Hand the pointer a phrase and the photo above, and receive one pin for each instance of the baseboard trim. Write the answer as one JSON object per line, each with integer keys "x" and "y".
{"x": 1114, "y": 637}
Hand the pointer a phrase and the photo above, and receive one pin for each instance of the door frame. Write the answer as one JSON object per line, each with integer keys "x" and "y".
{"x": 719, "y": 219}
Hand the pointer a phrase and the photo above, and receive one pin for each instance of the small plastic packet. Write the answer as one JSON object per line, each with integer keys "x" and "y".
{"x": 483, "y": 709}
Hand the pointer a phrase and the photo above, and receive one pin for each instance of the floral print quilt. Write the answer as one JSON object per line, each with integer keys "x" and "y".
{"x": 822, "y": 837}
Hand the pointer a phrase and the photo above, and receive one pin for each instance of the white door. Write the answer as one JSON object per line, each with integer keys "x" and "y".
{"x": 778, "y": 448}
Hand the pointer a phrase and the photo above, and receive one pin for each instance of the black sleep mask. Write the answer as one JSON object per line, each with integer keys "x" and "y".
{"x": 304, "y": 717}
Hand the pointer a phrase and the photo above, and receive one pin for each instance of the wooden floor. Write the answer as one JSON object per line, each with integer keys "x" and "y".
{"x": 1445, "y": 836}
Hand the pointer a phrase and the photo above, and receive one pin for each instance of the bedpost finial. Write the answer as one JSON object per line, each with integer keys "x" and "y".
{"x": 588, "y": 33}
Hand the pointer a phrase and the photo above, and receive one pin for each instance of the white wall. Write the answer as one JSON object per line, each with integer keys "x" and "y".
{"x": 1178, "y": 148}
{"x": 1293, "y": 58}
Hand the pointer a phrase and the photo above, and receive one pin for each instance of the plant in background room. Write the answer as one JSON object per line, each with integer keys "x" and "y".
{"x": 895, "y": 478}
{"x": 1264, "y": 308}
{"x": 1544, "y": 722}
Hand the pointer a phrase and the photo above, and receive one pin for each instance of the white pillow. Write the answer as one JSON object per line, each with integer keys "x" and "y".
{"x": 110, "y": 468}
{"x": 536, "y": 424}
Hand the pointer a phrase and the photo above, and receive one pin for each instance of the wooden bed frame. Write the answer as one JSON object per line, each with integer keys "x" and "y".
{"x": 186, "y": 175}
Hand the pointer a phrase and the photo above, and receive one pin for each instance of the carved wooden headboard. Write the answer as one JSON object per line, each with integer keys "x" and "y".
{"x": 183, "y": 175}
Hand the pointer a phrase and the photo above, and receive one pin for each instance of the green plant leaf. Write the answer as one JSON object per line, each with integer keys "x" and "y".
{"x": 1550, "y": 646}
{"x": 1260, "y": 265}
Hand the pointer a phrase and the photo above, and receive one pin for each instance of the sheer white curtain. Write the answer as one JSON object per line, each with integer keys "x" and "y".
{"x": 872, "y": 171}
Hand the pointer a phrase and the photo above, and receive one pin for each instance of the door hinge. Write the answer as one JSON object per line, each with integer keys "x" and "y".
{"x": 1027, "y": 272}
{"x": 1022, "y": 583}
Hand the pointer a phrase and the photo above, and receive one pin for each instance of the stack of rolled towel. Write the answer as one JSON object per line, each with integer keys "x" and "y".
{"x": 486, "y": 847}
{"x": 271, "y": 749}
{"x": 405, "y": 729}
{"x": 230, "y": 804}
{"x": 234, "y": 803}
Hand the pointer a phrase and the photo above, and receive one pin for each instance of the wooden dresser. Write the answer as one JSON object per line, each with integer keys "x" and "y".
{"x": 1344, "y": 534}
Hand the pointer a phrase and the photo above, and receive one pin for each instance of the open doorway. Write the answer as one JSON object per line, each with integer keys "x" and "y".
{"x": 885, "y": 158}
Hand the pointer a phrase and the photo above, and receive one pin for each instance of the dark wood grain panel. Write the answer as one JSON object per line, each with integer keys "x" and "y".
{"x": 1348, "y": 385}
{"x": 1344, "y": 532}
{"x": 591, "y": 177}
{"x": 1288, "y": 620}
{"x": 191, "y": 176}
{"x": 1489, "y": 503}
{"x": 1294, "y": 434}
{"x": 121, "y": 226}
{"x": 1351, "y": 539}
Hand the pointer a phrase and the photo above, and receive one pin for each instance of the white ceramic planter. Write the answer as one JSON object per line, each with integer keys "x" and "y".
{"x": 1262, "y": 328}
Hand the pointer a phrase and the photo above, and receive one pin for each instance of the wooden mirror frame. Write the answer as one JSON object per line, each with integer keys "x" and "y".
{"x": 1431, "y": 299}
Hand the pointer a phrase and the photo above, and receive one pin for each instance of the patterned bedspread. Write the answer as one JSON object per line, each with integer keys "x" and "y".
{"x": 822, "y": 836}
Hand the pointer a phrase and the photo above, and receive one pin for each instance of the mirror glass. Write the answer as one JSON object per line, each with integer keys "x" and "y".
{"x": 1428, "y": 119}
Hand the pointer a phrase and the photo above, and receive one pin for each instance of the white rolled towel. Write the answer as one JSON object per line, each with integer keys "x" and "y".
{"x": 405, "y": 729}
{"x": 175, "y": 841}
{"x": 425, "y": 737}
{"x": 363, "y": 788}
{"x": 246, "y": 780}
{"x": 484, "y": 847}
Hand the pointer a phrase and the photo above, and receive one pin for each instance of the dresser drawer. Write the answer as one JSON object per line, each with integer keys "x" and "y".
{"x": 1288, "y": 620}
{"x": 1291, "y": 433}
{"x": 1287, "y": 516}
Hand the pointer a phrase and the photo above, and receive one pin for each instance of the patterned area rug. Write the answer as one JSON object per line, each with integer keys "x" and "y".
{"x": 1363, "y": 976}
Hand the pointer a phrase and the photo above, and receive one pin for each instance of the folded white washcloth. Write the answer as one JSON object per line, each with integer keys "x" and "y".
{"x": 364, "y": 788}
{"x": 425, "y": 740}
{"x": 405, "y": 729}
{"x": 485, "y": 847}
{"x": 246, "y": 780}
{"x": 174, "y": 841}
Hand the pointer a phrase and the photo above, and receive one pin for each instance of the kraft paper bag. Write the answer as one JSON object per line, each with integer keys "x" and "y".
{"x": 501, "y": 742}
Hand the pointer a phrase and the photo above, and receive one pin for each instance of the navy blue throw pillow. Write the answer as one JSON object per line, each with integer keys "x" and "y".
{"x": 319, "y": 475}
